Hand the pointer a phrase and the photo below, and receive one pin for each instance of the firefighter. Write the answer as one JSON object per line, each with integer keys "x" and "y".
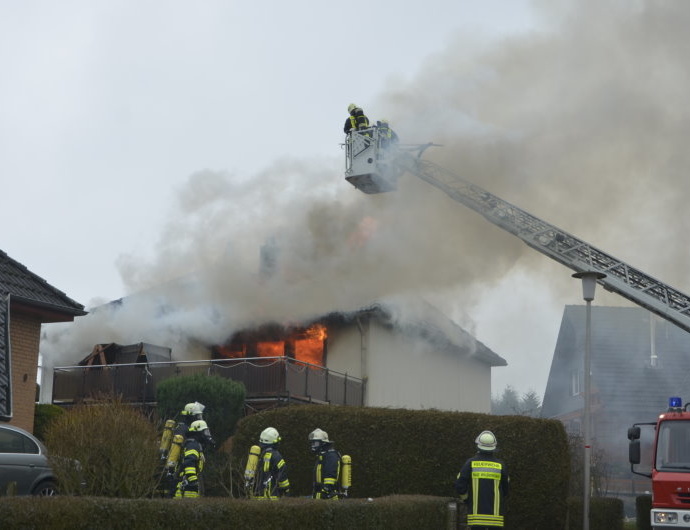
{"x": 271, "y": 480}
{"x": 327, "y": 468}
{"x": 356, "y": 121}
{"x": 198, "y": 437}
{"x": 172, "y": 443}
{"x": 387, "y": 136}
{"x": 191, "y": 412}
{"x": 483, "y": 484}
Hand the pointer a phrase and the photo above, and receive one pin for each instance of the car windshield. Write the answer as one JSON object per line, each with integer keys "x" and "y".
{"x": 16, "y": 442}
{"x": 673, "y": 449}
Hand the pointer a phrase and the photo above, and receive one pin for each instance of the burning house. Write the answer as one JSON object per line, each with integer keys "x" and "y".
{"x": 393, "y": 352}
{"x": 372, "y": 356}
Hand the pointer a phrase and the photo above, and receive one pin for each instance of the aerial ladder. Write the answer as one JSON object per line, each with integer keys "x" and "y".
{"x": 374, "y": 167}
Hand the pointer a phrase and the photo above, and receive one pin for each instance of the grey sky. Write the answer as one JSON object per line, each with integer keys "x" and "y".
{"x": 144, "y": 140}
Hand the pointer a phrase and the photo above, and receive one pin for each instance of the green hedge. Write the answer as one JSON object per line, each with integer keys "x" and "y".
{"x": 87, "y": 513}
{"x": 606, "y": 513}
{"x": 409, "y": 452}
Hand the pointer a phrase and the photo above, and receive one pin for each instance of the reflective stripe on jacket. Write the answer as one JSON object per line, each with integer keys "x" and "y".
{"x": 484, "y": 482}
{"x": 327, "y": 475}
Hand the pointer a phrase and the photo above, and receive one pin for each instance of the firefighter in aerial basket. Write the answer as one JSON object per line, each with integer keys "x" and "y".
{"x": 266, "y": 472}
{"x": 331, "y": 472}
{"x": 198, "y": 438}
{"x": 356, "y": 121}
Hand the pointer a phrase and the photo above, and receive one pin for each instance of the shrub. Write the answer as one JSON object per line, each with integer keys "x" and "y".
{"x": 44, "y": 414}
{"x": 115, "y": 445}
{"x": 413, "y": 452}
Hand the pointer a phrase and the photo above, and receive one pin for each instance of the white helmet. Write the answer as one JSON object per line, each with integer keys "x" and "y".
{"x": 319, "y": 435}
{"x": 198, "y": 426}
{"x": 486, "y": 441}
{"x": 351, "y": 107}
{"x": 269, "y": 436}
{"x": 193, "y": 409}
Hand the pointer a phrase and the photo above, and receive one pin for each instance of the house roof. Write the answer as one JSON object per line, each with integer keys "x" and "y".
{"x": 418, "y": 317}
{"x": 30, "y": 289}
{"x": 624, "y": 377}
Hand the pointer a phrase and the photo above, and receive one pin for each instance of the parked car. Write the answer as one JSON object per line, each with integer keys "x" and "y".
{"x": 23, "y": 461}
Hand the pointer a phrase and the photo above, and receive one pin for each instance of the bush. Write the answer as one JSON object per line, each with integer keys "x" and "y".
{"x": 87, "y": 513}
{"x": 223, "y": 399}
{"x": 414, "y": 452}
{"x": 115, "y": 445}
{"x": 44, "y": 414}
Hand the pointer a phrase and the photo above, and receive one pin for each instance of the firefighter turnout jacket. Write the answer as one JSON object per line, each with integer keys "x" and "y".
{"x": 327, "y": 474}
{"x": 188, "y": 485}
{"x": 356, "y": 120}
{"x": 483, "y": 484}
{"x": 271, "y": 475}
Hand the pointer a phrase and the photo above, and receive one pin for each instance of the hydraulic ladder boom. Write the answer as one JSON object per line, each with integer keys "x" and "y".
{"x": 561, "y": 246}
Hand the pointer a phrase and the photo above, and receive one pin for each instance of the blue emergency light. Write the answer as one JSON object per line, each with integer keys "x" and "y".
{"x": 675, "y": 403}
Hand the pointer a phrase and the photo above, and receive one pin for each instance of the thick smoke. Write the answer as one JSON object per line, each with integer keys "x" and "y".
{"x": 582, "y": 123}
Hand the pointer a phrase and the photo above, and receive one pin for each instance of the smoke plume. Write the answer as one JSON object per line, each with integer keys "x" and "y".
{"x": 582, "y": 122}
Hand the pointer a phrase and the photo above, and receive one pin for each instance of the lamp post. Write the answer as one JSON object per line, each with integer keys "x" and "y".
{"x": 589, "y": 282}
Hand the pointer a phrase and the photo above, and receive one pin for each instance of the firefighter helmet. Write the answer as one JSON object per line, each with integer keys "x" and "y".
{"x": 193, "y": 409}
{"x": 319, "y": 435}
{"x": 269, "y": 436}
{"x": 486, "y": 441}
{"x": 198, "y": 426}
{"x": 351, "y": 107}
{"x": 318, "y": 438}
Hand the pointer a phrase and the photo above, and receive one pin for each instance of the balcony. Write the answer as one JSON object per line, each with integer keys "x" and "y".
{"x": 267, "y": 380}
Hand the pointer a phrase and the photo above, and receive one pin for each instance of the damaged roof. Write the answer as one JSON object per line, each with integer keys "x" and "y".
{"x": 24, "y": 286}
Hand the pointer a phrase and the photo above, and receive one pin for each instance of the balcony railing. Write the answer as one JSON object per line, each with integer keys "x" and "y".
{"x": 264, "y": 378}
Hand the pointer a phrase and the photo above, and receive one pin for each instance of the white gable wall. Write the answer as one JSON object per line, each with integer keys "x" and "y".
{"x": 406, "y": 372}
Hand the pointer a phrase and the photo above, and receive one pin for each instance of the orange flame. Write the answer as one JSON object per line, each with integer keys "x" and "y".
{"x": 270, "y": 349}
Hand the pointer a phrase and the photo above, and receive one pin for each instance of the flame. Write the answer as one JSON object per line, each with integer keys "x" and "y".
{"x": 270, "y": 349}
{"x": 307, "y": 345}
{"x": 316, "y": 332}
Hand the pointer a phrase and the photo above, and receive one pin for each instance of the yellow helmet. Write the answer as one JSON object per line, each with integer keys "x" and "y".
{"x": 198, "y": 426}
{"x": 351, "y": 107}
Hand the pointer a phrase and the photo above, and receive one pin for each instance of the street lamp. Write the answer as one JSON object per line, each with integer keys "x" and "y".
{"x": 589, "y": 282}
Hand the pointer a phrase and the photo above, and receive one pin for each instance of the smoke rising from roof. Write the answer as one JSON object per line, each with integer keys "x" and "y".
{"x": 583, "y": 124}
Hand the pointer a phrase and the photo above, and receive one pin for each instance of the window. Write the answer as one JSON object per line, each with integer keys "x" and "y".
{"x": 577, "y": 385}
{"x": 15, "y": 442}
{"x": 673, "y": 448}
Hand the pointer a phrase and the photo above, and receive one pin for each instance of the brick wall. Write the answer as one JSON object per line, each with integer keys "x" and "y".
{"x": 25, "y": 334}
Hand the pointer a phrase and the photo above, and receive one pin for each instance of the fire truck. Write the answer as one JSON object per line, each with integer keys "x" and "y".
{"x": 374, "y": 166}
{"x": 670, "y": 465}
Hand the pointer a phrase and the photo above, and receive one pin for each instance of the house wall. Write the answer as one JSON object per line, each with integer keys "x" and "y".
{"x": 25, "y": 333}
{"x": 405, "y": 372}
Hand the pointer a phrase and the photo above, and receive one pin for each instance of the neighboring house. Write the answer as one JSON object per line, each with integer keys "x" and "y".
{"x": 638, "y": 361}
{"x": 26, "y": 302}
{"x": 378, "y": 356}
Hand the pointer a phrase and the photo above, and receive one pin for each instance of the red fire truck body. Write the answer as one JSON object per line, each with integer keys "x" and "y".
{"x": 670, "y": 466}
